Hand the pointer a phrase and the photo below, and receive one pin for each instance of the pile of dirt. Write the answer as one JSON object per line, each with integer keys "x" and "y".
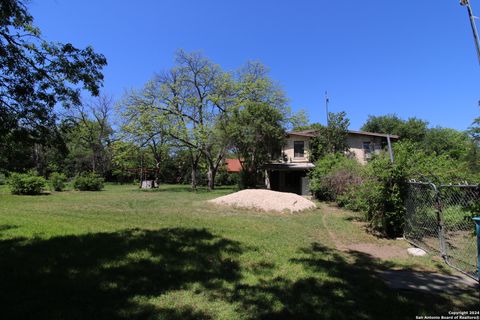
{"x": 265, "y": 200}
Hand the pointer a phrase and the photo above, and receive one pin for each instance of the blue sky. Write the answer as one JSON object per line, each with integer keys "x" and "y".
{"x": 412, "y": 58}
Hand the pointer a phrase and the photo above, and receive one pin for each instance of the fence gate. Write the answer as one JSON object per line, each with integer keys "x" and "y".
{"x": 439, "y": 219}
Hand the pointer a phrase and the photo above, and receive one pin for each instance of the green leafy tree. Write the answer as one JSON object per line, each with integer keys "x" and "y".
{"x": 146, "y": 126}
{"x": 389, "y": 124}
{"x": 195, "y": 97}
{"x": 473, "y": 155}
{"x": 256, "y": 131}
{"x": 331, "y": 138}
{"x": 35, "y": 74}
{"x": 446, "y": 141}
{"x": 257, "y": 124}
{"x": 413, "y": 129}
{"x": 88, "y": 135}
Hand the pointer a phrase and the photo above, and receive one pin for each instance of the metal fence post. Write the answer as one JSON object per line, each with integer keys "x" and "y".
{"x": 440, "y": 225}
{"x": 477, "y": 224}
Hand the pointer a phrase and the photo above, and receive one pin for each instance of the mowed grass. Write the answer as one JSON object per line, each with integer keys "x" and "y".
{"x": 124, "y": 253}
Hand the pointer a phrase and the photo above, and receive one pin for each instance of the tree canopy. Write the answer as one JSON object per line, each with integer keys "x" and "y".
{"x": 36, "y": 74}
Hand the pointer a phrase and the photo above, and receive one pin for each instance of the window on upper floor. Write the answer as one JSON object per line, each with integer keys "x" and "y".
{"x": 367, "y": 147}
{"x": 299, "y": 149}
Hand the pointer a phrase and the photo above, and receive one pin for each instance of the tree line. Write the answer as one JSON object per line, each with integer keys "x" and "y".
{"x": 179, "y": 127}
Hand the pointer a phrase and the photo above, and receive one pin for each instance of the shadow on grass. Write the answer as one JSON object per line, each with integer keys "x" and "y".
{"x": 112, "y": 275}
{"x": 338, "y": 288}
{"x": 102, "y": 276}
{"x": 5, "y": 227}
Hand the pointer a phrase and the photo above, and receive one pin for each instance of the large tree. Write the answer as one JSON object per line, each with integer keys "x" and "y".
{"x": 412, "y": 129}
{"x": 331, "y": 138}
{"x": 36, "y": 75}
{"x": 145, "y": 126}
{"x": 196, "y": 96}
{"x": 88, "y": 134}
{"x": 258, "y": 121}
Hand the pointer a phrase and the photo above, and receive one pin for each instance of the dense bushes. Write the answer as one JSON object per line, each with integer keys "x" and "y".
{"x": 223, "y": 178}
{"x": 334, "y": 175}
{"x": 57, "y": 181}
{"x": 88, "y": 182}
{"x": 26, "y": 183}
{"x": 3, "y": 180}
{"x": 379, "y": 189}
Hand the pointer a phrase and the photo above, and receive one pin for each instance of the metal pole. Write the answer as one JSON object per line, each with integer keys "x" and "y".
{"x": 390, "y": 151}
{"x": 471, "y": 17}
{"x": 440, "y": 224}
{"x": 326, "y": 107}
{"x": 477, "y": 223}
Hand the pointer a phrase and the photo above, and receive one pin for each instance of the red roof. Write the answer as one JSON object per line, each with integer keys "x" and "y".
{"x": 233, "y": 165}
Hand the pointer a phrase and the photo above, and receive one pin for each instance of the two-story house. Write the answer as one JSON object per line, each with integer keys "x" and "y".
{"x": 290, "y": 174}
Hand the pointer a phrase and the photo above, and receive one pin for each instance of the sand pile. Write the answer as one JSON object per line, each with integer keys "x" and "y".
{"x": 265, "y": 200}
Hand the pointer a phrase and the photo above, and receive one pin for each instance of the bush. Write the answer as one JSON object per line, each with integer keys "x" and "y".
{"x": 382, "y": 194}
{"x": 333, "y": 176}
{"x": 223, "y": 178}
{"x": 88, "y": 182}
{"x": 3, "y": 180}
{"x": 57, "y": 181}
{"x": 26, "y": 183}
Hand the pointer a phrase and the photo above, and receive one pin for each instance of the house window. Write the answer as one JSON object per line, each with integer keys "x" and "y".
{"x": 367, "y": 147}
{"x": 367, "y": 150}
{"x": 299, "y": 149}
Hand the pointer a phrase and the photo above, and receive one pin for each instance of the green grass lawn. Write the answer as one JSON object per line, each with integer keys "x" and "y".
{"x": 123, "y": 253}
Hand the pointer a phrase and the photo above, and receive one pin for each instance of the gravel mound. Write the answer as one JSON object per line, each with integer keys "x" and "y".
{"x": 265, "y": 200}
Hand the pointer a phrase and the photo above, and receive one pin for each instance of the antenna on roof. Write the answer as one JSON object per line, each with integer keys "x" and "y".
{"x": 326, "y": 107}
{"x": 466, "y": 3}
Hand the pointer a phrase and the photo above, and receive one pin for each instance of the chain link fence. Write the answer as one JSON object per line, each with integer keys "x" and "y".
{"x": 439, "y": 219}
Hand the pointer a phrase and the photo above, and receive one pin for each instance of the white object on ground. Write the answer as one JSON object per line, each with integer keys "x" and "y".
{"x": 417, "y": 252}
{"x": 265, "y": 200}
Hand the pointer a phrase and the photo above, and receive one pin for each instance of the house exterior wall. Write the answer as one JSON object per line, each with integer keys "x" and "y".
{"x": 356, "y": 144}
{"x": 289, "y": 151}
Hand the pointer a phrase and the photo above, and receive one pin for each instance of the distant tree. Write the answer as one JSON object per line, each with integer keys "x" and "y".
{"x": 388, "y": 124}
{"x": 88, "y": 134}
{"x": 473, "y": 155}
{"x": 146, "y": 126}
{"x": 332, "y": 138}
{"x": 413, "y": 129}
{"x": 446, "y": 141}
{"x": 298, "y": 120}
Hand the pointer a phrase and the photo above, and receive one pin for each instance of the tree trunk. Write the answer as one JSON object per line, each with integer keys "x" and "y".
{"x": 194, "y": 176}
{"x": 212, "y": 172}
{"x": 157, "y": 173}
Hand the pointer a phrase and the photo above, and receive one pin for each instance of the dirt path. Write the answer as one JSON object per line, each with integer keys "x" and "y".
{"x": 381, "y": 249}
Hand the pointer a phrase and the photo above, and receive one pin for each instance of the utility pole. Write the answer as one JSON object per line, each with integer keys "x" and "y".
{"x": 466, "y": 3}
{"x": 326, "y": 107}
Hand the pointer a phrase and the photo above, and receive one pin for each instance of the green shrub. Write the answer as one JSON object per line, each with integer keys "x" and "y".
{"x": 57, "y": 181}
{"x": 88, "y": 182}
{"x": 382, "y": 194}
{"x": 333, "y": 176}
{"x": 3, "y": 180}
{"x": 26, "y": 183}
{"x": 223, "y": 178}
